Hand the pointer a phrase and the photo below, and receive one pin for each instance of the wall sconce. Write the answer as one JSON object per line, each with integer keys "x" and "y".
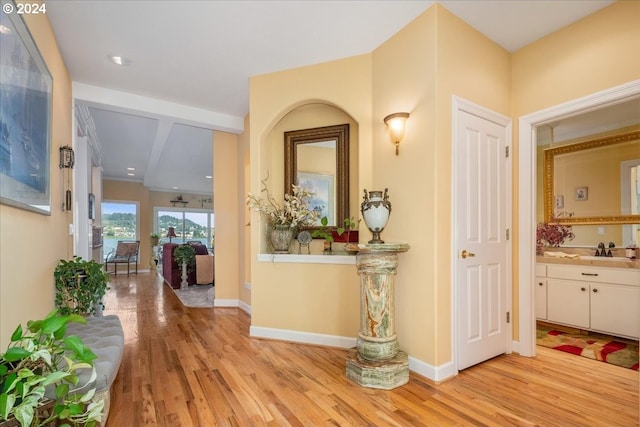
{"x": 396, "y": 124}
{"x": 171, "y": 233}
{"x": 67, "y": 160}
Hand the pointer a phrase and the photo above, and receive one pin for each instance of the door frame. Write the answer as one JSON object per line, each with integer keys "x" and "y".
{"x": 527, "y": 195}
{"x": 459, "y": 105}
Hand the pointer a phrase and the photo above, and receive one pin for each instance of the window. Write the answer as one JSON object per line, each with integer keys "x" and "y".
{"x": 189, "y": 224}
{"x": 119, "y": 222}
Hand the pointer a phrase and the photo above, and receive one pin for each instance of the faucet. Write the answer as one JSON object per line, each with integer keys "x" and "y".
{"x": 602, "y": 252}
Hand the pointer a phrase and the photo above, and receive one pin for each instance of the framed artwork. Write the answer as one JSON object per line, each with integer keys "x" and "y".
{"x": 92, "y": 206}
{"x": 559, "y": 201}
{"x": 25, "y": 119}
{"x": 582, "y": 194}
{"x": 323, "y": 187}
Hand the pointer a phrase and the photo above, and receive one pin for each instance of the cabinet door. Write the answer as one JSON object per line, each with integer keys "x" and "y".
{"x": 540, "y": 294}
{"x": 614, "y": 309}
{"x": 568, "y": 302}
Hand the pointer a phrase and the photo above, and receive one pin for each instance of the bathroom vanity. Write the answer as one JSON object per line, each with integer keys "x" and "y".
{"x": 591, "y": 294}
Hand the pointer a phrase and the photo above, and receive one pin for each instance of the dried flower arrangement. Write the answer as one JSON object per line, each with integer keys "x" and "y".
{"x": 552, "y": 235}
{"x": 294, "y": 212}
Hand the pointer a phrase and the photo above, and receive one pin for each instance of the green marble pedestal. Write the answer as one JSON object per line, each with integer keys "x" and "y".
{"x": 377, "y": 361}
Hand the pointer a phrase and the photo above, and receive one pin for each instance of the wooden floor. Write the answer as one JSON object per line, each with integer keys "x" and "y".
{"x": 199, "y": 367}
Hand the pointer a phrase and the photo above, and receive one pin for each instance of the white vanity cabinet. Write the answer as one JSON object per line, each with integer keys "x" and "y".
{"x": 595, "y": 298}
{"x": 540, "y": 292}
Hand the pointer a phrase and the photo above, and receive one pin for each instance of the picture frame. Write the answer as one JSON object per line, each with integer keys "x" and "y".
{"x": 559, "y": 201}
{"x": 25, "y": 119}
{"x": 322, "y": 185}
{"x": 92, "y": 206}
{"x": 582, "y": 194}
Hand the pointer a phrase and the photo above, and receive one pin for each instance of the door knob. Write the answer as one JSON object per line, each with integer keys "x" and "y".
{"x": 464, "y": 254}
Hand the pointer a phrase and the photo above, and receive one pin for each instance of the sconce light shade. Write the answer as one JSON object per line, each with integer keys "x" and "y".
{"x": 67, "y": 158}
{"x": 396, "y": 124}
{"x": 171, "y": 233}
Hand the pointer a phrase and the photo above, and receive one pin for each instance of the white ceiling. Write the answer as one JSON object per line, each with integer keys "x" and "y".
{"x": 192, "y": 60}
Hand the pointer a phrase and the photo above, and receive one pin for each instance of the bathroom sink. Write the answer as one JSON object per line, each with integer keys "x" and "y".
{"x": 603, "y": 258}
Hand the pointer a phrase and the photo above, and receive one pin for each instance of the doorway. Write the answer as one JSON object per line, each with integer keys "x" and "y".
{"x": 527, "y": 196}
{"x": 481, "y": 206}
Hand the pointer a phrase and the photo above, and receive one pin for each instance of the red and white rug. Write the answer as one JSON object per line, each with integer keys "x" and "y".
{"x": 616, "y": 351}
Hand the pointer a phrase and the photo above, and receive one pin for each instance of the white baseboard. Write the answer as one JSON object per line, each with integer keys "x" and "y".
{"x": 225, "y": 302}
{"x": 434, "y": 373}
{"x": 244, "y": 307}
{"x": 515, "y": 347}
{"x": 302, "y": 337}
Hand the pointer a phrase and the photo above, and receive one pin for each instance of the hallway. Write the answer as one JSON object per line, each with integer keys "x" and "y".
{"x": 198, "y": 367}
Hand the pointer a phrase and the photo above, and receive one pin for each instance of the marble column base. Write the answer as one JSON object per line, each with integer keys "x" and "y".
{"x": 384, "y": 374}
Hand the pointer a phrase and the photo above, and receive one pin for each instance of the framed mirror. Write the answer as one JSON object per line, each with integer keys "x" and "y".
{"x": 593, "y": 182}
{"x": 318, "y": 159}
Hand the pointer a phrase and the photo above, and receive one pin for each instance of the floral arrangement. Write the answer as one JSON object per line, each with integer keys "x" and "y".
{"x": 294, "y": 212}
{"x": 552, "y": 235}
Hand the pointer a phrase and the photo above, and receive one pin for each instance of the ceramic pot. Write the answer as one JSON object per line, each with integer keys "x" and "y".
{"x": 375, "y": 210}
{"x": 281, "y": 237}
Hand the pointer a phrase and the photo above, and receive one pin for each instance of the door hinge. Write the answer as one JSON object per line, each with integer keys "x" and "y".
{"x": 507, "y": 234}
{"x": 508, "y": 317}
{"x": 506, "y": 151}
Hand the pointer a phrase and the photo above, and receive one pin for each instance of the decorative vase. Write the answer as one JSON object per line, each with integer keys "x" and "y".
{"x": 375, "y": 210}
{"x": 281, "y": 237}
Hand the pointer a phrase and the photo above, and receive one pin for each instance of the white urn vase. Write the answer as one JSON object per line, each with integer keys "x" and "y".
{"x": 375, "y": 210}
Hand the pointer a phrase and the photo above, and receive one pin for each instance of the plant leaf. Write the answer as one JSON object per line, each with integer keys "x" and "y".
{"x": 17, "y": 334}
{"x": 14, "y": 354}
{"x": 24, "y": 414}
{"x": 52, "y": 324}
{"x": 74, "y": 344}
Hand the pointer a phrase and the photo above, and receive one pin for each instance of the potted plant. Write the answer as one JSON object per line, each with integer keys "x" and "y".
{"x": 349, "y": 232}
{"x": 185, "y": 256}
{"x": 80, "y": 286}
{"x": 284, "y": 219}
{"x": 324, "y": 232}
{"x": 37, "y": 370}
{"x": 154, "y": 239}
{"x": 551, "y": 235}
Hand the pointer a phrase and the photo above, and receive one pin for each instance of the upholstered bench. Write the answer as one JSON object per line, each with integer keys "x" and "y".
{"x": 105, "y": 337}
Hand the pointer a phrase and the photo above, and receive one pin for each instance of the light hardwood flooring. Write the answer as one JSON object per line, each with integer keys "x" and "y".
{"x": 199, "y": 367}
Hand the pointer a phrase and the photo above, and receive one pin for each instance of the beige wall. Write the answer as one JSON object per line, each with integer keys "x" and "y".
{"x": 593, "y": 54}
{"x": 31, "y": 244}
{"x": 418, "y": 70}
{"x": 317, "y": 298}
{"x": 226, "y": 188}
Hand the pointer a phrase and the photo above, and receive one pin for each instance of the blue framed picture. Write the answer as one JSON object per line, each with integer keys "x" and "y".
{"x": 25, "y": 118}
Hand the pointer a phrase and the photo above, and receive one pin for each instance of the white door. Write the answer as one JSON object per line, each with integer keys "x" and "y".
{"x": 482, "y": 265}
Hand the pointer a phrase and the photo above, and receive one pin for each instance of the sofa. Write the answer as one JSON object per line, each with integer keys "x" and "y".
{"x": 201, "y": 273}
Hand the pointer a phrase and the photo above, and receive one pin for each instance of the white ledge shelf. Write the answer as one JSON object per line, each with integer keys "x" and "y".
{"x": 308, "y": 259}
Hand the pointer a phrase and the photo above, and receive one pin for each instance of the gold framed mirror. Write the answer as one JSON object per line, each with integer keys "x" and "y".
{"x": 584, "y": 182}
{"x": 318, "y": 159}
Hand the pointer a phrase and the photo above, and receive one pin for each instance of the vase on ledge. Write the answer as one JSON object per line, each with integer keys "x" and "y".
{"x": 280, "y": 237}
{"x": 375, "y": 210}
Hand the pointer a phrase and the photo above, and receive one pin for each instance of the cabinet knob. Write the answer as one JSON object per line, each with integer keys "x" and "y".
{"x": 540, "y": 284}
{"x": 583, "y": 289}
{"x": 595, "y": 290}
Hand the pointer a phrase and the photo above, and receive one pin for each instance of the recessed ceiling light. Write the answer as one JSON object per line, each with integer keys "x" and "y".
{"x": 131, "y": 169}
{"x": 131, "y": 174}
{"x": 209, "y": 177}
{"x": 120, "y": 60}
{"x": 175, "y": 188}
{"x": 5, "y": 30}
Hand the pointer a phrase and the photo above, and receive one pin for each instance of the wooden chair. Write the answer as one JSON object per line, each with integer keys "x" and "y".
{"x": 125, "y": 253}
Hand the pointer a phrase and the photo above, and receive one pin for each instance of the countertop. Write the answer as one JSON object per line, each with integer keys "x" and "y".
{"x": 590, "y": 262}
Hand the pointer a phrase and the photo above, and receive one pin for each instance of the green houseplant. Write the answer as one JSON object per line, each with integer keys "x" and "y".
{"x": 324, "y": 232}
{"x": 80, "y": 286}
{"x": 43, "y": 358}
{"x": 154, "y": 239}
{"x": 185, "y": 256}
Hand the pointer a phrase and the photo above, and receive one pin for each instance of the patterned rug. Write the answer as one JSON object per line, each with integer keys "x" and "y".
{"x": 196, "y": 295}
{"x": 614, "y": 350}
